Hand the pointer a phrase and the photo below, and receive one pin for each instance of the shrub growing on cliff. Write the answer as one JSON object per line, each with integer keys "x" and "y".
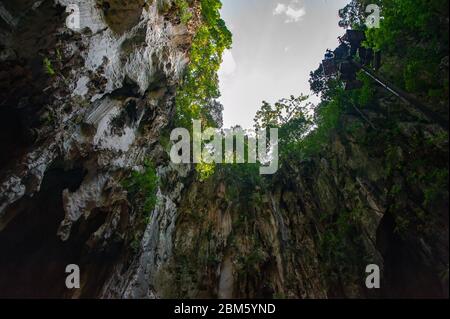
{"x": 183, "y": 9}
{"x": 417, "y": 32}
{"x": 201, "y": 83}
{"x": 142, "y": 188}
{"x": 335, "y": 100}
{"x": 341, "y": 248}
{"x": 48, "y": 67}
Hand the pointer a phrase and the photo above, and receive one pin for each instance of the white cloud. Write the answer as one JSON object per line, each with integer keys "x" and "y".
{"x": 280, "y": 9}
{"x": 294, "y": 11}
{"x": 295, "y": 15}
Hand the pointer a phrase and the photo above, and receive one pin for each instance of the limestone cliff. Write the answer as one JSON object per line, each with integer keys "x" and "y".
{"x": 311, "y": 230}
{"x": 80, "y": 109}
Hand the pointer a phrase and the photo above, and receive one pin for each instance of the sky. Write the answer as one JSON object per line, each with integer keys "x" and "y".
{"x": 276, "y": 44}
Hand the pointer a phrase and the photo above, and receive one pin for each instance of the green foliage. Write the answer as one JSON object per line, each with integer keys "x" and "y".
{"x": 341, "y": 246}
{"x": 335, "y": 101}
{"x": 414, "y": 39}
{"x": 365, "y": 96}
{"x": 290, "y": 116}
{"x": 205, "y": 170}
{"x": 251, "y": 262}
{"x": 416, "y": 168}
{"x": 326, "y": 119}
{"x": 282, "y": 112}
{"x": 406, "y": 20}
{"x": 48, "y": 67}
{"x": 184, "y": 12}
{"x": 142, "y": 188}
{"x": 353, "y": 14}
{"x": 244, "y": 176}
{"x": 201, "y": 83}
{"x": 244, "y": 181}
{"x": 416, "y": 31}
{"x": 318, "y": 82}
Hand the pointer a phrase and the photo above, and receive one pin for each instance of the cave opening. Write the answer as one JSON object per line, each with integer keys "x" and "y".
{"x": 36, "y": 257}
{"x": 405, "y": 274}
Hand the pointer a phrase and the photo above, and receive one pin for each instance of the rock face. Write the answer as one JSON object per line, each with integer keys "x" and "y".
{"x": 311, "y": 231}
{"x": 81, "y": 109}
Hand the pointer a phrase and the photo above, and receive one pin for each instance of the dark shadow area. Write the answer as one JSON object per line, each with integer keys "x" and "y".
{"x": 35, "y": 259}
{"x": 405, "y": 275}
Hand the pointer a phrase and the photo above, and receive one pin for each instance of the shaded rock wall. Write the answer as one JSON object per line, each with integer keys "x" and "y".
{"x": 311, "y": 230}
{"x": 81, "y": 109}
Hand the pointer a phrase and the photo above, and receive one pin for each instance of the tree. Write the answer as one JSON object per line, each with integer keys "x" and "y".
{"x": 201, "y": 83}
{"x": 291, "y": 116}
{"x": 318, "y": 81}
{"x": 323, "y": 86}
{"x": 353, "y": 15}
